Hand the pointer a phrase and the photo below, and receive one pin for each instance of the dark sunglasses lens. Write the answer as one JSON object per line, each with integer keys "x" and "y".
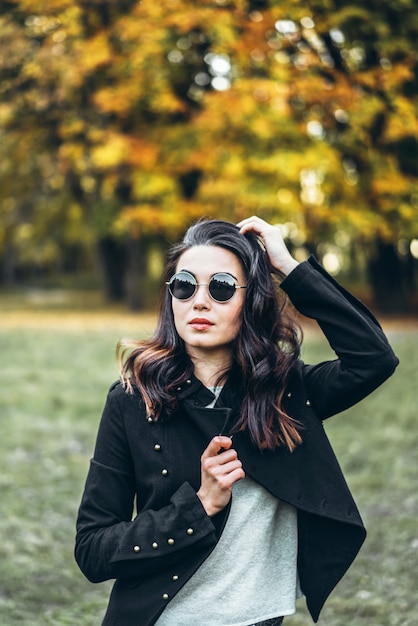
{"x": 222, "y": 287}
{"x": 182, "y": 286}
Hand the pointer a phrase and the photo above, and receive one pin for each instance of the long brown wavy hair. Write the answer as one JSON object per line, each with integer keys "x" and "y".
{"x": 265, "y": 350}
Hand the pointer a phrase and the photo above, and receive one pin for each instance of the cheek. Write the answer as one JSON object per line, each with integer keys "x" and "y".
{"x": 235, "y": 320}
{"x": 177, "y": 314}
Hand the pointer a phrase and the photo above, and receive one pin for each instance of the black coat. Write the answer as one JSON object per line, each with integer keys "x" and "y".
{"x": 155, "y": 466}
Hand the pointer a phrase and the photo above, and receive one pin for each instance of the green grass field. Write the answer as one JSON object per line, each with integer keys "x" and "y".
{"x": 54, "y": 377}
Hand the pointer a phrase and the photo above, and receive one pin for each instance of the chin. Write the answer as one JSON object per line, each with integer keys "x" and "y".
{"x": 205, "y": 343}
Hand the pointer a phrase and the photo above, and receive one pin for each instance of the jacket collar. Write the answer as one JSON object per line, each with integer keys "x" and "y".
{"x": 194, "y": 389}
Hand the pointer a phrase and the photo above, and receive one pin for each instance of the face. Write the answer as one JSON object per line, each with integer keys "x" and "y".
{"x": 204, "y": 324}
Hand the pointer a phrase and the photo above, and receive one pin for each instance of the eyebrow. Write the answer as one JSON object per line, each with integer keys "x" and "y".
{"x": 212, "y": 275}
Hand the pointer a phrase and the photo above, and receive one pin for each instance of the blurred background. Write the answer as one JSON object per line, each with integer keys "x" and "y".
{"x": 121, "y": 122}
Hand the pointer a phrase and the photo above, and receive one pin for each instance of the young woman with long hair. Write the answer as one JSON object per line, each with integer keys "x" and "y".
{"x": 213, "y": 490}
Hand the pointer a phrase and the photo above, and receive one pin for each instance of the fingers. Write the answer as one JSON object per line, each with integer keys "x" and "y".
{"x": 220, "y": 461}
{"x": 254, "y": 223}
{"x": 216, "y": 445}
{"x": 263, "y": 229}
{"x": 220, "y": 468}
{"x": 279, "y": 256}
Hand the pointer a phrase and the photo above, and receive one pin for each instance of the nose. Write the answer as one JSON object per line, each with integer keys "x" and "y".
{"x": 201, "y": 298}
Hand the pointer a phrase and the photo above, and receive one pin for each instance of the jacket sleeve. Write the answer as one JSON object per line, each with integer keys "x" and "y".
{"x": 364, "y": 357}
{"x": 110, "y": 543}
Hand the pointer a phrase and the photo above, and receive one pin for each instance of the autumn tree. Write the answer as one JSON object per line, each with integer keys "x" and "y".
{"x": 357, "y": 91}
{"x": 122, "y": 122}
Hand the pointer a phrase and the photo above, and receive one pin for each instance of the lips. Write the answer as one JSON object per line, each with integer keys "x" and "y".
{"x": 200, "y": 323}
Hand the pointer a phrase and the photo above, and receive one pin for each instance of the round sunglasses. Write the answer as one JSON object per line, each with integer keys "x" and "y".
{"x": 221, "y": 286}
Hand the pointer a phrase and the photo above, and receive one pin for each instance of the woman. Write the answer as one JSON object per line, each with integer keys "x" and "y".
{"x": 215, "y": 435}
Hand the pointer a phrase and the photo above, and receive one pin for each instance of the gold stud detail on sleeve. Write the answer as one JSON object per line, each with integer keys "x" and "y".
{"x": 175, "y": 577}
{"x": 164, "y": 472}
{"x": 137, "y": 548}
{"x": 190, "y": 531}
{"x": 155, "y": 545}
{"x": 157, "y": 447}
{"x": 308, "y": 403}
{"x": 170, "y": 542}
{"x": 165, "y": 596}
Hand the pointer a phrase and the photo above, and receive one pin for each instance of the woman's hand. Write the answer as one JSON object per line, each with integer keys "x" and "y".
{"x": 280, "y": 257}
{"x": 220, "y": 469}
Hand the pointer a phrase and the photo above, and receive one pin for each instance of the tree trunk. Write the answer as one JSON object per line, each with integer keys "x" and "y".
{"x": 136, "y": 280}
{"x": 388, "y": 279}
{"x": 113, "y": 261}
{"x": 145, "y": 270}
{"x": 8, "y": 268}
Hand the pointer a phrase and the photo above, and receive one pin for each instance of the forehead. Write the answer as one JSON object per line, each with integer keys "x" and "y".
{"x": 208, "y": 260}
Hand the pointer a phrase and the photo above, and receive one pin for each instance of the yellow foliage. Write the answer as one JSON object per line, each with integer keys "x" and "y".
{"x": 6, "y": 113}
{"x": 72, "y": 153}
{"x": 45, "y": 7}
{"x": 200, "y": 17}
{"x": 71, "y": 127}
{"x": 402, "y": 122}
{"x": 143, "y": 155}
{"x": 93, "y": 53}
{"x": 139, "y": 220}
{"x": 390, "y": 183}
{"x": 116, "y": 99}
{"x": 154, "y": 187}
{"x": 166, "y": 102}
{"x": 108, "y": 93}
{"x": 149, "y": 219}
{"x": 408, "y": 213}
{"x": 390, "y": 81}
{"x": 112, "y": 151}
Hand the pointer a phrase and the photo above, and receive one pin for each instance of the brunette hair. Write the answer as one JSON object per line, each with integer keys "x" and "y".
{"x": 264, "y": 352}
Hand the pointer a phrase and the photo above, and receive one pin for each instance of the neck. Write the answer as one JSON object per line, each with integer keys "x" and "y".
{"x": 208, "y": 367}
